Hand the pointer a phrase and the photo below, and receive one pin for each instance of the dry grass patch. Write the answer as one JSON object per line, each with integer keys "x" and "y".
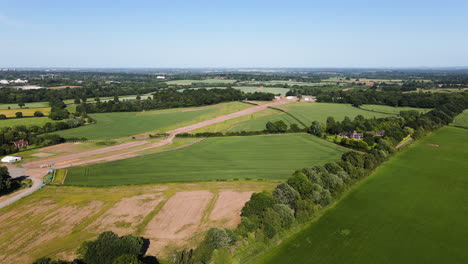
{"x": 228, "y": 207}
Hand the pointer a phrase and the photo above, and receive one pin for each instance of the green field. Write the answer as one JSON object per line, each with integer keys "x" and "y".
{"x": 27, "y": 105}
{"x": 461, "y": 120}
{"x": 392, "y": 110}
{"x": 29, "y": 121}
{"x": 255, "y": 157}
{"x": 115, "y": 125}
{"x": 250, "y": 89}
{"x": 211, "y": 81}
{"x": 413, "y": 209}
{"x": 307, "y": 113}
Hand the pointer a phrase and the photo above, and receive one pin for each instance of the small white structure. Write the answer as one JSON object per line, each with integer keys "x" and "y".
{"x": 10, "y": 159}
{"x": 30, "y": 87}
{"x": 4, "y": 82}
{"x": 19, "y": 81}
{"x": 290, "y": 97}
{"x": 160, "y": 77}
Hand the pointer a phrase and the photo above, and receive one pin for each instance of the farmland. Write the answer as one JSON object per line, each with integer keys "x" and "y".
{"x": 413, "y": 209}
{"x": 307, "y": 113}
{"x": 56, "y": 220}
{"x": 38, "y": 121}
{"x": 114, "y": 125}
{"x": 255, "y": 157}
{"x": 25, "y": 111}
{"x": 210, "y": 81}
{"x": 461, "y": 120}
{"x": 26, "y": 105}
{"x": 392, "y": 110}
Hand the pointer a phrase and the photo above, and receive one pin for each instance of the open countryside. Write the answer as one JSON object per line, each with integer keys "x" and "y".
{"x": 410, "y": 210}
{"x": 256, "y": 157}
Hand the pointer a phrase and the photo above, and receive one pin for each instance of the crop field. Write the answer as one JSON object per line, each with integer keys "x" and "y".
{"x": 54, "y": 221}
{"x": 188, "y": 82}
{"x": 392, "y": 110}
{"x": 25, "y": 111}
{"x": 28, "y": 121}
{"x": 307, "y": 113}
{"x": 413, "y": 209}
{"x": 290, "y": 83}
{"x": 251, "y": 89}
{"x": 461, "y": 120}
{"x": 254, "y": 157}
{"x": 27, "y": 105}
{"x": 115, "y": 125}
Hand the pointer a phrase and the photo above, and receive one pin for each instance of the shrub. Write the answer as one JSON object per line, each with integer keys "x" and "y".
{"x": 38, "y": 114}
{"x": 258, "y": 203}
{"x": 301, "y": 184}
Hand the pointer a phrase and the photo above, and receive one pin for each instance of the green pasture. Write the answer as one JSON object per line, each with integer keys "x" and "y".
{"x": 413, "y": 209}
{"x": 392, "y": 110}
{"x": 307, "y": 113}
{"x": 461, "y": 120}
{"x": 27, "y": 105}
{"x": 211, "y": 81}
{"x": 122, "y": 124}
{"x": 26, "y": 121}
{"x": 226, "y": 158}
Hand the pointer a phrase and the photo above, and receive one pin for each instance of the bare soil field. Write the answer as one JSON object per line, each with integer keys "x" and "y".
{"x": 56, "y": 220}
{"x": 178, "y": 220}
{"x": 228, "y": 207}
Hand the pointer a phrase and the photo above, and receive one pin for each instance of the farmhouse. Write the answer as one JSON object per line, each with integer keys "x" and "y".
{"x": 10, "y": 159}
{"x": 352, "y": 135}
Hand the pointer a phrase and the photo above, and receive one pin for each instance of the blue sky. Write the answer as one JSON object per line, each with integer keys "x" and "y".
{"x": 233, "y": 33}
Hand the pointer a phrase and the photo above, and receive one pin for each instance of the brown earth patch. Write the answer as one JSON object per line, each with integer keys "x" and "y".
{"x": 42, "y": 154}
{"x": 58, "y": 224}
{"x": 228, "y": 207}
{"x": 434, "y": 145}
{"x": 178, "y": 220}
{"x": 62, "y": 148}
{"x": 126, "y": 214}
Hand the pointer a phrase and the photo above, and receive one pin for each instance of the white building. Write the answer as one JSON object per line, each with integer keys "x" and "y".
{"x": 4, "y": 82}
{"x": 19, "y": 81}
{"x": 30, "y": 87}
{"x": 160, "y": 77}
{"x": 10, "y": 159}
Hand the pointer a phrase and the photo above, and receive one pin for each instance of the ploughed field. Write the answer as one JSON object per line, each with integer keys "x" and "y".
{"x": 413, "y": 209}
{"x": 271, "y": 157}
{"x": 54, "y": 221}
{"x": 114, "y": 125}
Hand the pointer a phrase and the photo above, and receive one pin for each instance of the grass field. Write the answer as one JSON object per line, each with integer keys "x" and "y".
{"x": 25, "y": 111}
{"x": 251, "y": 89}
{"x": 188, "y": 82}
{"x": 55, "y": 220}
{"x": 29, "y": 121}
{"x": 114, "y": 125}
{"x": 461, "y": 120}
{"x": 392, "y": 110}
{"x": 290, "y": 83}
{"x": 27, "y": 105}
{"x": 413, "y": 209}
{"x": 255, "y": 157}
{"x": 307, "y": 113}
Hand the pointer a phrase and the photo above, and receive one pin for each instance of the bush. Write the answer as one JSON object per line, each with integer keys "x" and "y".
{"x": 38, "y": 114}
{"x": 2, "y": 116}
{"x": 218, "y": 238}
{"x": 258, "y": 203}
{"x": 19, "y": 114}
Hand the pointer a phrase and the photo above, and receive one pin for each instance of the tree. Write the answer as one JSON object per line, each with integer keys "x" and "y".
{"x": 183, "y": 257}
{"x": 286, "y": 215}
{"x": 295, "y": 128}
{"x": 19, "y": 114}
{"x": 77, "y": 101}
{"x": 281, "y": 126}
{"x": 2, "y": 116}
{"x": 109, "y": 246}
{"x": 317, "y": 128}
{"x": 38, "y": 114}
{"x": 271, "y": 128}
{"x": 285, "y": 194}
{"x": 5, "y": 179}
{"x": 301, "y": 184}
{"x": 127, "y": 259}
{"x": 258, "y": 203}
{"x": 21, "y": 105}
{"x": 218, "y": 238}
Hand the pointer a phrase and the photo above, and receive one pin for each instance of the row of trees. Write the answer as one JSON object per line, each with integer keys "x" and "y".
{"x": 171, "y": 98}
{"x": 35, "y": 135}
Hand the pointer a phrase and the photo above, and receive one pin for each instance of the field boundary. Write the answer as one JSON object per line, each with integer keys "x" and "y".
{"x": 284, "y": 111}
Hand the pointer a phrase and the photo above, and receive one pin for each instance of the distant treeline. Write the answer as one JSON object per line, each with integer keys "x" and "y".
{"x": 171, "y": 98}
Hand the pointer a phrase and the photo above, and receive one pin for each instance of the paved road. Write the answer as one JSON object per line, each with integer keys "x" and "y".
{"x": 35, "y": 172}
{"x": 36, "y": 176}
